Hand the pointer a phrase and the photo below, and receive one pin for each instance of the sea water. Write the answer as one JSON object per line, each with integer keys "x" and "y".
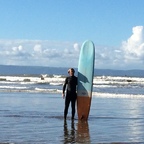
{"x": 31, "y": 109}
{"x": 38, "y": 118}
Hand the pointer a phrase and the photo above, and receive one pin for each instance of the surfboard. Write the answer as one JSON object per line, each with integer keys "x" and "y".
{"x": 85, "y": 79}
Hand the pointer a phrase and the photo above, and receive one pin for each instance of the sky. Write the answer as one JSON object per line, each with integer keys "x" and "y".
{"x": 51, "y": 32}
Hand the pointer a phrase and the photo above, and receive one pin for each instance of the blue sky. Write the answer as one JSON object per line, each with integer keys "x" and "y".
{"x": 50, "y": 32}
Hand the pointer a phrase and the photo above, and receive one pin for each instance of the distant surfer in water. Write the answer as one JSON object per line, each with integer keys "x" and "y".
{"x": 71, "y": 95}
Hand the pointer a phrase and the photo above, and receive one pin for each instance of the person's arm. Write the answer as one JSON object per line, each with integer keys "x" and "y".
{"x": 64, "y": 87}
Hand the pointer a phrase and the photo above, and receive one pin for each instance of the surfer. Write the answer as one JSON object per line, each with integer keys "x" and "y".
{"x": 71, "y": 95}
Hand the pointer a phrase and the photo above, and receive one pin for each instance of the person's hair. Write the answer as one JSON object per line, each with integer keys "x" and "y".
{"x": 71, "y": 69}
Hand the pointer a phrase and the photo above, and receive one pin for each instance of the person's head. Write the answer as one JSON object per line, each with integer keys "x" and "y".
{"x": 71, "y": 71}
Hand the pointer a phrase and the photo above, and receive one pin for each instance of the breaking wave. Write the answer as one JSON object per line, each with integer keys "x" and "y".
{"x": 103, "y": 86}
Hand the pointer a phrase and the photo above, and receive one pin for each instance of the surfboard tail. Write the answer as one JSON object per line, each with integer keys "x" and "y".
{"x": 83, "y": 108}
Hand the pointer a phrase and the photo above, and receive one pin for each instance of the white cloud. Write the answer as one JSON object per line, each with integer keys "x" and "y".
{"x": 17, "y": 51}
{"x": 130, "y": 55}
{"x": 19, "y": 48}
{"x": 37, "y": 52}
{"x": 76, "y": 47}
{"x": 38, "y": 48}
{"x": 133, "y": 48}
{"x": 117, "y": 51}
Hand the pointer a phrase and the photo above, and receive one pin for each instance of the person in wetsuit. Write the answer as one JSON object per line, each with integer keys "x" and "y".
{"x": 70, "y": 85}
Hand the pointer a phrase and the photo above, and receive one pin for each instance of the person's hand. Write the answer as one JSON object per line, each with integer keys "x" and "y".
{"x": 63, "y": 95}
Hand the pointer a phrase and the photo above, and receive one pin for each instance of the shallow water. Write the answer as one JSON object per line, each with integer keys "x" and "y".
{"x": 38, "y": 118}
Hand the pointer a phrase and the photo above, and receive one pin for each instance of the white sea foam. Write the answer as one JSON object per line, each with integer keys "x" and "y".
{"x": 52, "y": 83}
{"x": 59, "y": 79}
{"x": 46, "y": 90}
{"x": 105, "y": 86}
{"x": 118, "y": 81}
{"x": 31, "y": 80}
{"x": 42, "y": 90}
{"x": 114, "y": 95}
{"x": 12, "y": 87}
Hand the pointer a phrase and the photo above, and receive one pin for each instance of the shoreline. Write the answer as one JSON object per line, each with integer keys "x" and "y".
{"x": 94, "y": 94}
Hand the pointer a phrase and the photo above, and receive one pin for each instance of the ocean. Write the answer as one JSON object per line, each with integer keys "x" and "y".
{"x": 31, "y": 107}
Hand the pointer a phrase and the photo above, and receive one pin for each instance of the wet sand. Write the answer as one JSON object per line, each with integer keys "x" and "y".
{"x": 38, "y": 118}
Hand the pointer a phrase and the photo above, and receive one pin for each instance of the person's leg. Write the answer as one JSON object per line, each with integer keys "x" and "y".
{"x": 67, "y": 102}
{"x": 73, "y": 101}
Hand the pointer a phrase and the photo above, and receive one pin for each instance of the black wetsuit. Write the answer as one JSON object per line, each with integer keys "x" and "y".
{"x": 71, "y": 95}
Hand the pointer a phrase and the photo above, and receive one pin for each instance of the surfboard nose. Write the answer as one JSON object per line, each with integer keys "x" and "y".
{"x": 88, "y": 48}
